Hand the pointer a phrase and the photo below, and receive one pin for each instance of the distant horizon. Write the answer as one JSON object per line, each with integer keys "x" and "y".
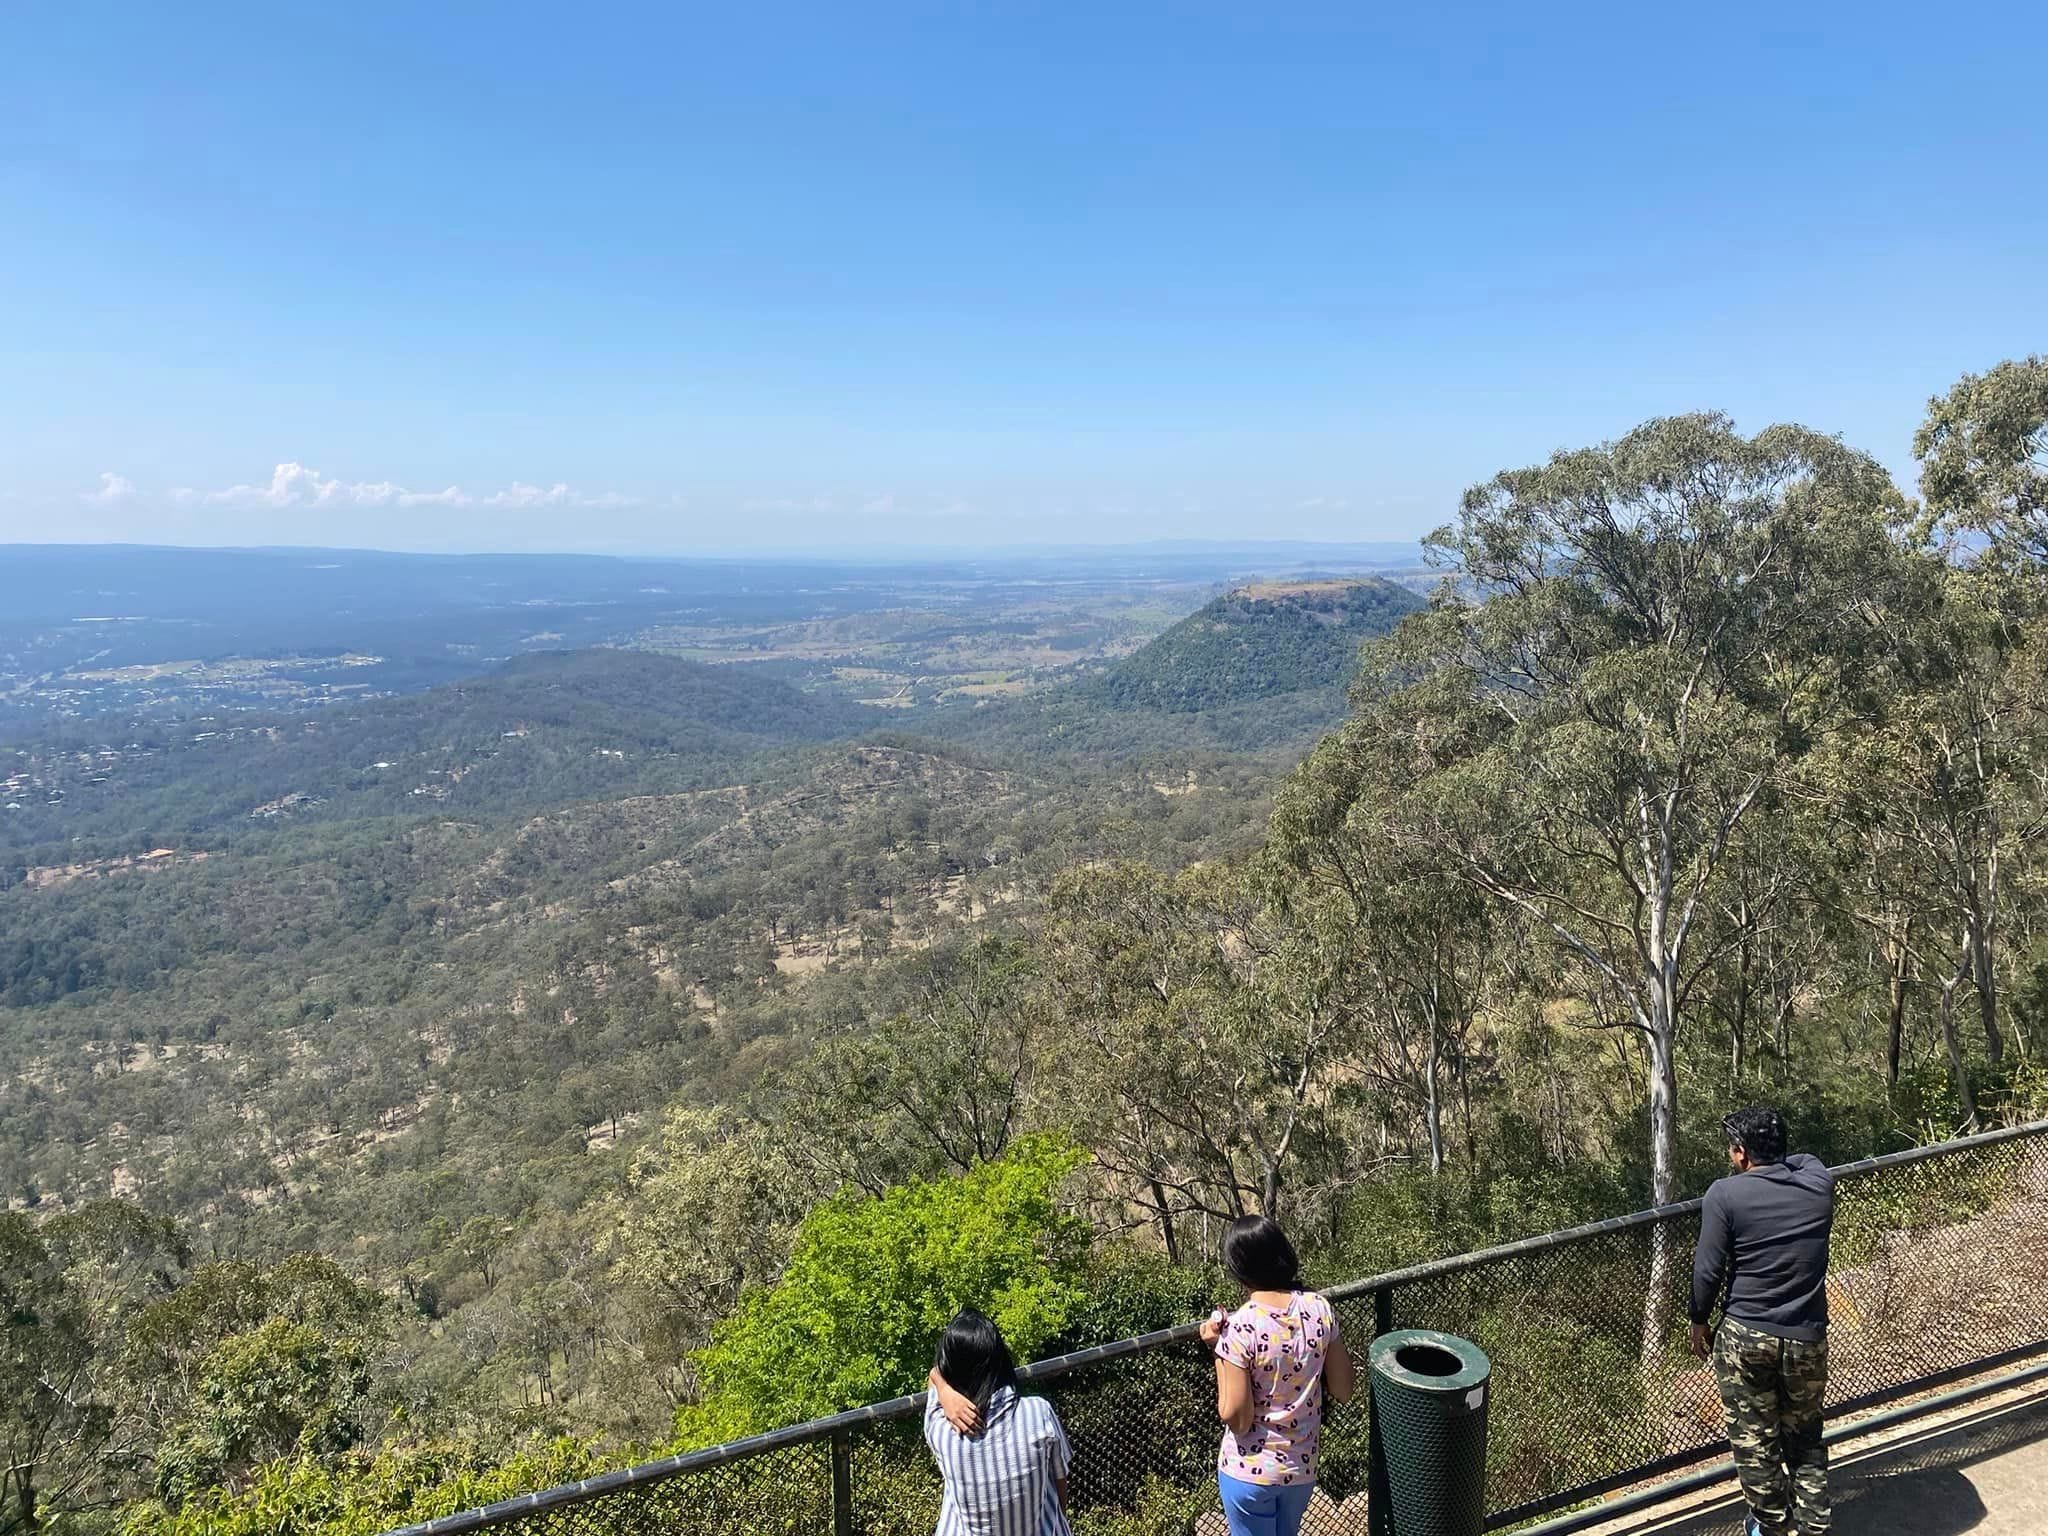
{"x": 1385, "y": 551}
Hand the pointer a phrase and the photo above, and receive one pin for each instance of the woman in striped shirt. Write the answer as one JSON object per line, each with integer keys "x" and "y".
{"x": 1003, "y": 1456}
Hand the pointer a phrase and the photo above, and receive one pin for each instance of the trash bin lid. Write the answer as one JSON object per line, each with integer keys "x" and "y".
{"x": 1429, "y": 1361}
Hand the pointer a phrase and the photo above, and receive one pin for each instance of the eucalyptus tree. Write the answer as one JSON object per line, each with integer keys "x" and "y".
{"x": 1206, "y": 1039}
{"x": 952, "y": 1068}
{"x": 1633, "y": 650}
{"x": 1951, "y": 792}
{"x": 707, "y": 1212}
{"x": 1426, "y": 950}
{"x": 1878, "y": 884}
{"x": 1945, "y": 797}
{"x": 1977, "y": 735}
{"x": 1774, "y": 936}
{"x": 931, "y": 1071}
{"x": 71, "y": 1438}
{"x": 1983, "y": 452}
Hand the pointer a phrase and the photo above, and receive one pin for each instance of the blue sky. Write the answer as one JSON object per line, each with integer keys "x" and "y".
{"x": 675, "y": 278}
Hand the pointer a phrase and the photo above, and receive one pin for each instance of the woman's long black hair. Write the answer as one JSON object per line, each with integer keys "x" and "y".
{"x": 1259, "y": 1257}
{"x": 973, "y": 1358}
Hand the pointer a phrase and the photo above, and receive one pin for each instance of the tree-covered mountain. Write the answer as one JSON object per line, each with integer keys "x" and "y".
{"x": 1260, "y": 670}
{"x": 1257, "y": 642}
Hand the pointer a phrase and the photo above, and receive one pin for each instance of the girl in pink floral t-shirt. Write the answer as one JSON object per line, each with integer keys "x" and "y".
{"x": 1276, "y": 1357}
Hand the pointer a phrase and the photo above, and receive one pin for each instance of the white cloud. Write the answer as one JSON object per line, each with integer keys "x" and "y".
{"x": 791, "y": 504}
{"x": 113, "y": 488}
{"x": 519, "y": 494}
{"x": 296, "y": 485}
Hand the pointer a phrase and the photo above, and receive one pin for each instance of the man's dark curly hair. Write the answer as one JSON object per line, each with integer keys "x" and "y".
{"x": 1759, "y": 1131}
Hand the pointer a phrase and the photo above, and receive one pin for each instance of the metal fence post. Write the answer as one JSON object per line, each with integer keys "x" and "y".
{"x": 842, "y": 1482}
{"x": 1379, "y": 1507}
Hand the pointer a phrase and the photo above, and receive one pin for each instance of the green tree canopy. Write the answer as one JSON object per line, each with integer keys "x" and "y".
{"x": 281, "y": 1389}
{"x": 69, "y": 1287}
{"x": 1983, "y": 452}
{"x": 871, "y": 1282}
{"x": 1638, "y": 642}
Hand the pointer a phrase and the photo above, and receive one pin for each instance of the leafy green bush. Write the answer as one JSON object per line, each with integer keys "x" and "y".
{"x": 284, "y": 1388}
{"x": 871, "y": 1282}
{"x": 1129, "y": 1291}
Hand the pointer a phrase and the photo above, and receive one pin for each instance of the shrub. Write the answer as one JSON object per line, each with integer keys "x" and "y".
{"x": 871, "y": 1282}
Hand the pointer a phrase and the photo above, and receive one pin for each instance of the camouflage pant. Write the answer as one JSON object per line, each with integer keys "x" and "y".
{"x": 1772, "y": 1389}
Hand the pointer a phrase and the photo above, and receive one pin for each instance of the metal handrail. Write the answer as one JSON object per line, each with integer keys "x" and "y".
{"x": 839, "y": 1424}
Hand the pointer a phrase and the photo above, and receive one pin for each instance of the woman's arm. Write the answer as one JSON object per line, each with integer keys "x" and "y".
{"x": 1060, "y": 1449}
{"x": 1340, "y": 1372}
{"x": 959, "y": 1410}
{"x": 1233, "y": 1396}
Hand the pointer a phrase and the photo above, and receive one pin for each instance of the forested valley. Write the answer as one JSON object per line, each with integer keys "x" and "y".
{"x": 444, "y": 1096}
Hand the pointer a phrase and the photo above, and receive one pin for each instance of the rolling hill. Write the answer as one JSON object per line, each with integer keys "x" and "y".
{"x": 1261, "y": 670}
{"x": 1258, "y": 642}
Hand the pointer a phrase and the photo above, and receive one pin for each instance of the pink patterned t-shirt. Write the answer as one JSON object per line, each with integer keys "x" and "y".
{"x": 1283, "y": 1352}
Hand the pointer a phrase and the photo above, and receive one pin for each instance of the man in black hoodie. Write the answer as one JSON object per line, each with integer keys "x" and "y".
{"x": 1764, "y": 1247}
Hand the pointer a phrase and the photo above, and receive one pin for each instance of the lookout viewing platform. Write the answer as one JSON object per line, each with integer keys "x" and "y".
{"x": 1981, "y": 1468}
{"x": 1600, "y": 1420}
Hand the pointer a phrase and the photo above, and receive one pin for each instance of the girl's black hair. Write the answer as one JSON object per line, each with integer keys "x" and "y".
{"x": 1259, "y": 1257}
{"x": 973, "y": 1358}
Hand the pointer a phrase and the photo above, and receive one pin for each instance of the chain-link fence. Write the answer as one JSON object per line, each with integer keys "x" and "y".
{"x": 1939, "y": 1270}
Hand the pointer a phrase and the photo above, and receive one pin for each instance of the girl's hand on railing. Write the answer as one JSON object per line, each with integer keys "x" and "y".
{"x": 1212, "y": 1327}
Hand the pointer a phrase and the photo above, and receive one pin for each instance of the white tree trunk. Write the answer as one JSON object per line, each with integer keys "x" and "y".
{"x": 1663, "y": 1172}
{"x": 1435, "y": 1104}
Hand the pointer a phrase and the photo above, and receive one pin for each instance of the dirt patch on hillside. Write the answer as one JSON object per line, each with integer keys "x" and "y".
{"x": 49, "y": 875}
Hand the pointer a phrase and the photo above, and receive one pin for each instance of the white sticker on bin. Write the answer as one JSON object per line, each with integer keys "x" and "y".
{"x": 1475, "y": 1397}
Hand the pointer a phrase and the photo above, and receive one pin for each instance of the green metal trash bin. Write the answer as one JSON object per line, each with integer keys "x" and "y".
{"x": 1429, "y": 1397}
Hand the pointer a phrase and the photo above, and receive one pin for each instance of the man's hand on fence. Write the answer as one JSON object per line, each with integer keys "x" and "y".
{"x": 1702, "y": 1341}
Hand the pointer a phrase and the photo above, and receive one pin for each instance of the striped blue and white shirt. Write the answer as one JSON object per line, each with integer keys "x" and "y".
{"x": 1003, "y": 1481}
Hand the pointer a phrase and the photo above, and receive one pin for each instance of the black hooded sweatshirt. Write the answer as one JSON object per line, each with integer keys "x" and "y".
{"x": 1765, "y": 1232}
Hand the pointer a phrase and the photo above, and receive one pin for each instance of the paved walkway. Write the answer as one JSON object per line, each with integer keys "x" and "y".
{"x": 1986, "y": 1474}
